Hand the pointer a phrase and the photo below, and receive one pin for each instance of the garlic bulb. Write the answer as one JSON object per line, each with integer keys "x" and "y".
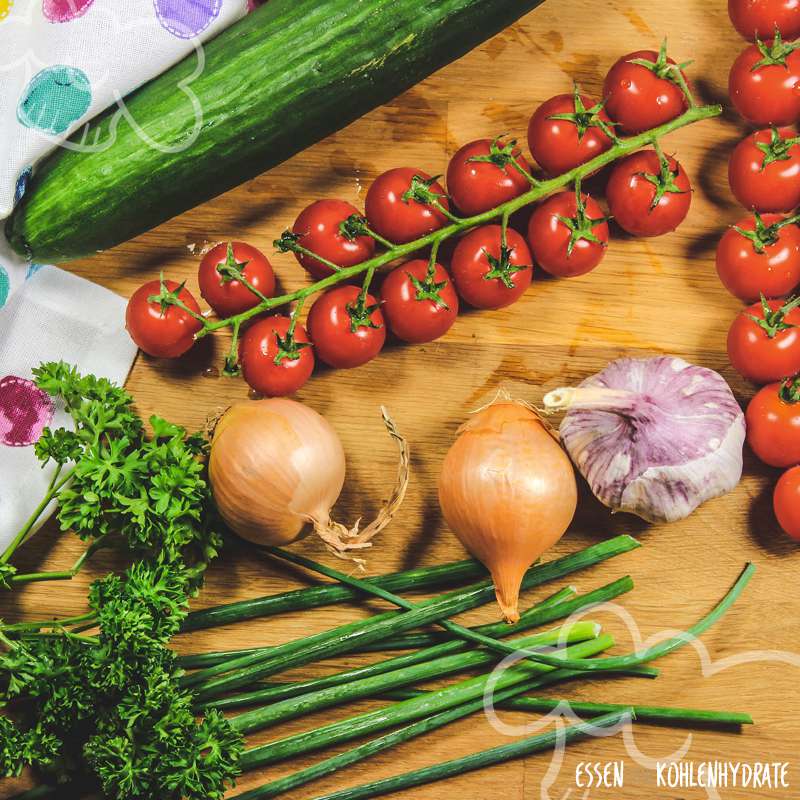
{"x": 655, "y": 437}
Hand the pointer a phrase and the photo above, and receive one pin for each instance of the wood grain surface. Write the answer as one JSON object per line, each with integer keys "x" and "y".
{"x": 647, "y": 297}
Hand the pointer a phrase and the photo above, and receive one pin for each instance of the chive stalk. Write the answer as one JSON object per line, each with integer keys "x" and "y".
{"x": 202, "y": 660}
{"x": 422, "y": 578}
{"x": 248, "y": 669}
{"x": 485, "y": 758}
{"x": 283, "y": 711}
{"x": 408, "y": 710}
{"x": 545, "y": 612}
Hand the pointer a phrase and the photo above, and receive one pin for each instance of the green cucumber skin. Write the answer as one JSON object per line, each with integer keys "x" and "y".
{"x": 274, "y": 83}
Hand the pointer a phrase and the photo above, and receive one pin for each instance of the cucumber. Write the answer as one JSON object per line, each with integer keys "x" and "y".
{"x": 274, "y": 83}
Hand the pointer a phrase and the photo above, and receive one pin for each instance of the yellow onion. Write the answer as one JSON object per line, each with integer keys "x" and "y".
{"x": 276, "y": 469}
{"x": 508, "y": 492}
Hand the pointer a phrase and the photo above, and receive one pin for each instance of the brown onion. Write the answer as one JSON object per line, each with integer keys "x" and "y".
{"x": 276, "y": 469}
{"x": 508, "y": 492}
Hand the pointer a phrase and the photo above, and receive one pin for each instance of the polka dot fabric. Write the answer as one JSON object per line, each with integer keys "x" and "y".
{"x": 63, "y": 61}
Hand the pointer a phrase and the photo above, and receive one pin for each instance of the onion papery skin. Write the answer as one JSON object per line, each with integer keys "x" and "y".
{"x": 276, "y": 465}
{"x": 508, "y": 492}
{"x": 667, "y": 437}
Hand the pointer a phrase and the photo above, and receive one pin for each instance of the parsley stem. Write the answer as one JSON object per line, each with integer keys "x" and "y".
{"x": 52, "y": 492}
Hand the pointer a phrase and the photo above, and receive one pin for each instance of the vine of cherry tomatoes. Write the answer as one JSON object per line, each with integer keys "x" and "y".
{"x": 758, "y": 259}
{"x": 491, "y": 266}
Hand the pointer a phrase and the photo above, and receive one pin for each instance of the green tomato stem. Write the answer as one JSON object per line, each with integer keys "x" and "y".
{"x": 539, "y": 190}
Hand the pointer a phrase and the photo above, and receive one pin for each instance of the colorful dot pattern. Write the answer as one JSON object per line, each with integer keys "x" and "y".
{"x": 187, "y": 18}
{"x": 5, "y": 285}
{"x": 55, "y": 98}
{"x": 65, "y": 10}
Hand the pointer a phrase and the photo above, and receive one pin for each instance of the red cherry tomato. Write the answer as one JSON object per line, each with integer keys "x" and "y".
{"x": 219, "y": 286}
{"x": 320, "y": 229}
{"x": 273, "y": 362}
{"x": 419, "y": 308}
{"x": 347, "y": 330}
{"x": 759, "y": 18}
{"x": 568, "y": 250}
{"x": 639, "y": 97}
{"x": 392, "y": 210}
{"x": 764, "y": 170}
{"x": 763, "y": 83}
{"x": 760, "y": 255}
{"x": 485, "y": 276}
{"x": 160, "y": 329}
{"x": 477, "y": 186}
{"x": 786, "y": 502}
{"x": 764, "y": 341}
{"x": 647, "y": 196}
{"x": 568, "y": 130}
{"x": 773, "y": 424}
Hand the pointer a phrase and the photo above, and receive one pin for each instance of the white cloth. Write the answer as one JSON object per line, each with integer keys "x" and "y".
{"x": 47, "y": 319}
{"x": 61, "y": 62}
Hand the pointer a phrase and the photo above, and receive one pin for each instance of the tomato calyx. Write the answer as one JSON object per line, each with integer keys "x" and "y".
{"x": 430, "y": 288}
{"x": 420, "y": 192}
{"x": 581, "y": 225}
{"x": 501, "y": 268}
{"x": 664, "y": 182}
{"x": 231, "y": 270}
{"x": 661, "y": 68}
{"x": 288, "y": 347}
{"x": 774, "y": 54}
{"x": 353, "y": 227}
{"x": 502, "y": 156}
{"x": 763, "y": 236}
{"x": 166, "y": 298}
{"x": 288, "y": 243}
{"x": 584, "y": 118}
{"x": 789, "y": 391}
{"x": 774, "y": 321}
{"x": 361, "y": 312}
{"x": 777, "y": 148}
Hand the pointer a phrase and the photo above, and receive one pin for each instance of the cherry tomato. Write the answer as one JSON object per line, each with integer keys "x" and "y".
{"x": 648, "y": 195}
{"x": 764, "y": 170}
{"x": 158, "y": 328}
{"x": 568, "y": 130}
{"x": 764, "y": 341}
{"x": 638, "y": 97}
{"x": 477, "y": 186}
{"x": 219, "y": 286}
{"x": 763, "y": 83}
{"x": 419, "y": 307}
{"x": 321, "y": 230}
{"x": 786, "y": 502}
{"x": 274, "y": 362}
{"x": 347, "y": 330}
{"x": 394, "y": 213}
{"x": 484, "y": 274}
{"x": 773, "y": 424}
{"x": 567, "y": 249}
{"x": 759, "y": 18}
{"x": 760, "y": 255}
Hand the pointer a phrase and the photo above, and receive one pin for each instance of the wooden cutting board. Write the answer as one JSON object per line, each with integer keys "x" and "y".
{"x": 648, "y": 297}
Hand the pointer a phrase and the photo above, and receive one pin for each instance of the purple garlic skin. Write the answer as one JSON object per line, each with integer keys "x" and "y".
{"x": 668, "y": 437}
